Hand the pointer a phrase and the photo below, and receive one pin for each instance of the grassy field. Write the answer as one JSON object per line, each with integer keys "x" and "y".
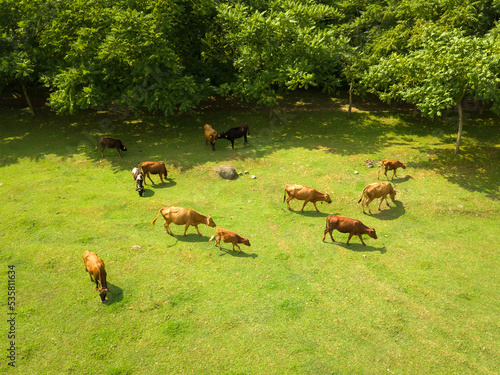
{"x": 421, "y": 299}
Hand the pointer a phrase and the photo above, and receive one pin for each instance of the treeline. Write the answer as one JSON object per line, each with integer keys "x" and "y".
{"x": 168, "y": 55}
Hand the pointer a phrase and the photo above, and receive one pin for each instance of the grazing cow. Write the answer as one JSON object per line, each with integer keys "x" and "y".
{"x": 109, "y": 142}
{"x": 153, "y": 167}
{"x": 346, "y": 225}
{"x": 228, "y": 236}
{"x": 391, "y": 165}
{"x": 95, "y": 267}
{"x": 210, "y": 135}
{"x": 183, "y": 216}
{"x": 377, "y": 190}
{"x": 139, "y": 179}
{"x": 233, "y": 133}
{"x": 306, "y": 194}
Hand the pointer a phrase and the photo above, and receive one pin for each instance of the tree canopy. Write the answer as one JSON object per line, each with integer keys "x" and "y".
{"x": 168, "y": 55}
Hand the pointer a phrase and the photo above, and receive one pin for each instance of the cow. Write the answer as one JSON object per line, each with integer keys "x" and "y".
{"x": 233, "y": 133}
{"x": 306, "y": 194}
{"x": 110, "y": 142}
{"x": 139, "y": 179}
{"x": 390, "y": 165}
{"x": 347, "y": 225}
{"x": 95, "y": 267}
{"x": 210, "y": 135}
{"x": 377, "y": 190}
{"x": 183, "y": 216}
{"x": 153, "y": 167}
{"x": 228, "y": 236}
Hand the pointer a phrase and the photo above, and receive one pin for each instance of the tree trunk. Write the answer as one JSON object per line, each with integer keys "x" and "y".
{"x": 460, "y": 126}
{"x": 32, "y": 110}
{"x": 350, "y": 99}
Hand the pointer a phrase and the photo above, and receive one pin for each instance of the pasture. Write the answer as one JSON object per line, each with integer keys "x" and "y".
{"x": 421, "y": 299}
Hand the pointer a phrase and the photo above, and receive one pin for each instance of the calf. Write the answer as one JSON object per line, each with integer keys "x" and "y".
{"x": 139, "y": 179}
{"x": 228, "y": 236}
{"x": 183, "y": 216}
{"x": 210, "y": 135}
{"x": 377, "y": 190}
{"x": 306, "y": 194}
{"x": 233, "y": 133}
{"x": 153, "y": 167}
{"x": 347, "y": 225}
{"x": 391, "y": 165}
{"x": 109, "y": 142}
{"x": 95, "y": 267}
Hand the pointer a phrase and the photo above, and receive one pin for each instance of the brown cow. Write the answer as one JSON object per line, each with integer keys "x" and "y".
{"x": 228, "y": 236}
{"x": 210, "y": 135}
{"x": 390, "y": 165}
{"x": 153, "y": 167}
{"x": 183, "y": 216}
{"x": 95, "y": 267}
{"x": 377, "y": 190}
{"x": 306, "y": 194}
{"x": 110, "y": 142}
{"x": 347, "y": 225}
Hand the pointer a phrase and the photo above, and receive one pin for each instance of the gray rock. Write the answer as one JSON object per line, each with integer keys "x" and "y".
{"x": 227, "y": 172}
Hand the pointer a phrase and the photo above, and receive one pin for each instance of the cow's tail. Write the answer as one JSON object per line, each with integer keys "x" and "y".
{"x": 284, "y": 195}
{"x": 211, "y": 238}
{"x": 362, "y": 194}
{"x": 154, "y": 221}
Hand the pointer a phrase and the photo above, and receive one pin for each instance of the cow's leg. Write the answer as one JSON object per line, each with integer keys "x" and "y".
{"x": 368, "y": 201}
{"x": 302, "y": 210}
{"x": 386, "y": 173}
{"x": 196, "y": 226}
{"x": 361, "y": 238}
{"x": 288, "y": 201}
{"x": 102, "y": 150}
{"x": 217, "y": 242}
{"x": 315, "y": 206}
{"x": 232, "y": 143}
{"x": 238, "y": 246}
{"x": 161, "y": 178}
{"x": 168, "y": 229}
{"x": 149, "y": 176}
{"x": 246, "y": 142}
{"x": 119, "y": 153}
{"x": 328, "y": 230}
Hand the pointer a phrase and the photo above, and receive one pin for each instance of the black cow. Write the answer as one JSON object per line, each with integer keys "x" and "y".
{"x": 233, "y": 133}
{"x": 109, "y": 142}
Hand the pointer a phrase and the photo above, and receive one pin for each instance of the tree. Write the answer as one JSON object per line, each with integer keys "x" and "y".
{"x": 283, "y": 45}
{"x": 439, "y": 71}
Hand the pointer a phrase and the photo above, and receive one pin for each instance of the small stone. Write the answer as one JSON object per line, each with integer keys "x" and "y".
{"x": 356, "y": 172}
{"x": 246, "y": 172}
{"x": 253, "y": 176}
{"x": 136, "y": 247}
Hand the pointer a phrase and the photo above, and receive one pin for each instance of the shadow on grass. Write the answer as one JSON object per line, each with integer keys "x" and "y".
{"x": 389, "y": 213}
{"x": 114, "y": 295}
{"x": 358, "y": 247}
{"x": 310, "y": 213}
{"x": 237, "y": 254}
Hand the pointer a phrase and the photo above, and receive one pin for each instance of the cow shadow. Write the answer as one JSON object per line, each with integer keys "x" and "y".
{"x": 148, "y": 193}
{"x": 114, "y": 295}
{"x": 399, "y": 179}
{"x": 168, "y": 182}
{"x": 237, "y": 254}
{"x": 358, "y": 247}
{"x": 389, "y": 213}
{"x": 311, "y": 213}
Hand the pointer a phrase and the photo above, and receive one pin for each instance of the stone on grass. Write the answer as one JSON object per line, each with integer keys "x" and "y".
{"x": 227, "y": 172}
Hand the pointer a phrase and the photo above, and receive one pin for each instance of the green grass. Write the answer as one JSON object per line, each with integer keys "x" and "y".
{"x": 423, "y": 298}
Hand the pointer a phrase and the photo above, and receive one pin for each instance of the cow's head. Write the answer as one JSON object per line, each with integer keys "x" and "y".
{"x": 123, "y": 148}
{"x": 327, "y": 198}
{"x": 246, "y": 241}
{"x": 210, "y": 221}
{"x": 371, "y": 232}
{"x": 102, "y": 293}
{"x": 392, "y": 194}
{"x": 222, "y": 135}
{"x": 403, "y": 165}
